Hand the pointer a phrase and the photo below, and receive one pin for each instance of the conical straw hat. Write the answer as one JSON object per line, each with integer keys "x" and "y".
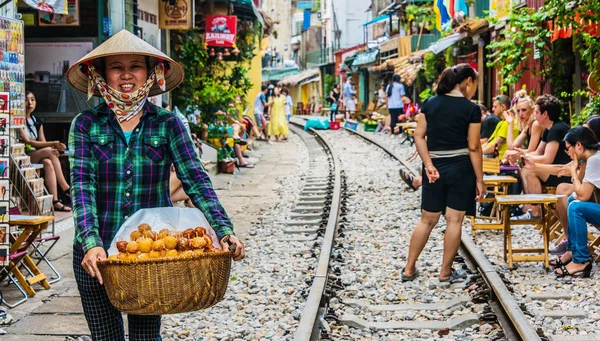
{"x": 124, "y": 43}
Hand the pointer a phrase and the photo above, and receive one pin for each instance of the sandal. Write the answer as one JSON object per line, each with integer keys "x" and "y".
{"x": 65, "y": 196}
{"x": 408, "y": 179}
{"x": 240, "y": 142}
{"x": 455, "y": 276}
{"x": 410, "y": 278}
{"x": 558, "y": 264}
{"x": 62, "y": 207}
{"x": 248, "y": 165}
{"x": 586, "y": 272}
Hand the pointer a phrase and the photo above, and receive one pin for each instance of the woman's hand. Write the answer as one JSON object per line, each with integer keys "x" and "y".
{"x": 432, "y": 173}
{"x": 573, "y": 166}
{"x": 509, "y": 116}
{"x": 60, "y": 146}
{"x": 480, "y": 190}
{"x": 238, "y": 253}
{"x": 528, "y": 163}
{"x": 89, "y": 262}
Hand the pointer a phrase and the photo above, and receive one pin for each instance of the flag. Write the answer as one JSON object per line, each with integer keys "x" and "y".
{"x": 461, "y": 5}
{"x": 444, "y": 17}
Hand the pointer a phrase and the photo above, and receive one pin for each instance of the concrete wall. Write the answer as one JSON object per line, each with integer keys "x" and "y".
{"x": 350, "y": 16}
{"x": 280, "y": 10}
{"x": 117, "y": 15}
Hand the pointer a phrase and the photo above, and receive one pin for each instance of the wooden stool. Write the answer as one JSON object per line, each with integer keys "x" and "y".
{"x": 31, "y": 227}
{"x": 499, "y": 186}
{"x": 547, "y": 201}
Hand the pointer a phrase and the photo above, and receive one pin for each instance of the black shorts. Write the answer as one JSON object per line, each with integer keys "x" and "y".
{"x": 554, "y": 181}
{"x": 455, "y": 189}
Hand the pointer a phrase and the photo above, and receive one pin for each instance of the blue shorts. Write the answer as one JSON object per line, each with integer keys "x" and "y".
{"x": 259, "y": 120}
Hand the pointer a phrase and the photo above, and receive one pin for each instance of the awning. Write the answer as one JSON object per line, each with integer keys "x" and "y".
{"x": 243, "y": 8}
{"x": 378, "y": 19}
{"x": 365, "y": 58}
{"x": 406, "y": 67}
{"x": 276, "y": 74}
{"x": 297, "y": 79}
{"x": 310, "y": 80}
{"x": 391, "y": 9}
{"x": 469, "y": 28}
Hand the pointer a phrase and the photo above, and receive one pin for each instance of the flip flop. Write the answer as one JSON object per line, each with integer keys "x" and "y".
{"x": 62, "y": 207}
{"x": 409, "y": 278}
{"x": 248, "y": 165}
{"x": 456, "y": 276}
{"x": 408, "y": 179}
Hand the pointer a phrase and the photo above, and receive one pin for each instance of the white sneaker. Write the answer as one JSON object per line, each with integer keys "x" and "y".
{"x": 525, "y": 216}
{"x": 559, "y": 249}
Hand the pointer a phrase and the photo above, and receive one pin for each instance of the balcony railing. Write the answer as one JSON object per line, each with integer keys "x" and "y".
{"x": 319, "y": 57}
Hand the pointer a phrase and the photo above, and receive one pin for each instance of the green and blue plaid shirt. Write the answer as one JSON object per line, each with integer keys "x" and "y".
{"x": 112, "y": 179}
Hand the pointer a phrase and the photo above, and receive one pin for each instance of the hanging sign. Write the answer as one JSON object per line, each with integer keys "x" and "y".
{"x": 175, "y": 14}
{"x": 221, "y": 30}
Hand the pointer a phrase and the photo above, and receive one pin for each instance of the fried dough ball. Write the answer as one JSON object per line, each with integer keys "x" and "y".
{"x": 132, "y": 256}
{"x": 132, "y": 247}
{"x": 145, "y": 244}
{"x": 172, "y": 253}
{"x": 150, "y": 234}
{"x": 158, "y": 245}
{"x": 122, "y": 256}
{"x": 164, "y": 233}
{"x": 198, "y": 243}
{"x": 135, "y": 235}
{"x": 144, "y": 227}
{"x": 210, "y": 248}
{"x": 208, "y": 239}
{"x": 200, "y": 231}
{"x": 113, "y": 257}
{"x": 183, "y": 244}
{"x": 143, "y": 255}
{"x": 122, "y": 246}
{"x": 185, "y": 254}
{"x": 155, "y": 254}
{"x": 189, "y": 233}
{"x": 198, "y": 252}
{"x": 170, "y": 242}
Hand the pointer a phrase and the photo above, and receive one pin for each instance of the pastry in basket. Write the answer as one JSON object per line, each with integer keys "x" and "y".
{"x": 121, "y": 153}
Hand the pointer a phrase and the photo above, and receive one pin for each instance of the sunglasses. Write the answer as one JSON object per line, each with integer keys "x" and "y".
{"x": 567, "y": 149}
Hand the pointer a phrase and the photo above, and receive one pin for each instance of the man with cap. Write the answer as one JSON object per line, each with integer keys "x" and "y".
{"x": 121, "y": 155}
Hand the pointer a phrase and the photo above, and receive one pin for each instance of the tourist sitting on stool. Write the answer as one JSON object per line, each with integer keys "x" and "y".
{"x": 584, "y": 204}
{"x": 46, "y": 152}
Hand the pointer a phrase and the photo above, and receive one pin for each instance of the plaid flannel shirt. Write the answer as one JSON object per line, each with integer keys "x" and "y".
{"x": 112, "y": 179}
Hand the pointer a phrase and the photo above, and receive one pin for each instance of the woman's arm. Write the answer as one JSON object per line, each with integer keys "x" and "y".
{"x": 421, "y": 144}
{"x": 476, "y": 155}
{"x": 35, "y": 143}
{"x": 535, "y": 136}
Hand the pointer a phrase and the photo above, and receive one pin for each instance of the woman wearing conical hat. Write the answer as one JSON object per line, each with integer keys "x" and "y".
{"x": 121, "y": 155}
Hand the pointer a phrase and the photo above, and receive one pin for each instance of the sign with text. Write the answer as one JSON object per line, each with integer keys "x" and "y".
{"x": 175, "y": 16}
{"x": 220, "y": 30}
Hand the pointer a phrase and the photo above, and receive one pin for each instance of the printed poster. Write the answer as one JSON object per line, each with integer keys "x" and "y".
{"x": 71, "y": 18}
{"x": 49, "y": 6}
{"x": 221, "y": 30}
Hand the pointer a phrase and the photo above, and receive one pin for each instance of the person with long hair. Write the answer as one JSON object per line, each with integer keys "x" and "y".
{"x": 334, "y": 101}
{"x": 584, "y": 204}
{"x": 395, "y": 91}
{"x": 278, "y": 124}
{"x": 46, "y": 152}
{"x": 531, "y": 130}
{"x": 447, "y": 139}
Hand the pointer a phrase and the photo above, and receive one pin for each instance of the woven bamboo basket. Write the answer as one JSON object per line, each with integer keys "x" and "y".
{"x": 167, "y": 286}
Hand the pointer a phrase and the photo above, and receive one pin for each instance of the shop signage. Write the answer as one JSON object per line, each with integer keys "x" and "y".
{"x": 221, "y": 30}
{"x": 175, "y": 14}
{"x": 71, "y": 18}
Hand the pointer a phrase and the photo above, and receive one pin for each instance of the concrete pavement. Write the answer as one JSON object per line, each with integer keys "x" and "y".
{"x": 56, "y": 314}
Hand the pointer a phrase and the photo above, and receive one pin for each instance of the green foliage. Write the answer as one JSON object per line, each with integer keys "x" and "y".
{"x": 211, "y": 84}
{"x": 421, "y": 15}
{"x": 523, "y": 34}
{"x": 450, "y": 58}
{"x": 432, "y": 63}
{"x": 592, "y": 108}
{"x": 425, "y": 94}
{"x": 329, "y": 84}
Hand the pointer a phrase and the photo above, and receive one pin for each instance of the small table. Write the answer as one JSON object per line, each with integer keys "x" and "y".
{"x": 31, "y": 227}
{"x": 500, "y": 184}
{"x": 546, "y": 201}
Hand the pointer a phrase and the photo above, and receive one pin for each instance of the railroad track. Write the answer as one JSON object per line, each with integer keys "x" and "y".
{"x": 487, "y": 287}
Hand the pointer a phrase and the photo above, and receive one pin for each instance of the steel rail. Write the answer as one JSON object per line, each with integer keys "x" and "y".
{"x": 309, "y": 327}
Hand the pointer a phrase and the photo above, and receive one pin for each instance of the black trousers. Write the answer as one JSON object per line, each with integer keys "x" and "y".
{"x": 332, "y": 114}
{"x": 394, "y": 114}
{"x": 104, "y": 320}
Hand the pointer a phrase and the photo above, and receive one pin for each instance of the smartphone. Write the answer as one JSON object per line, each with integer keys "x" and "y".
{"x": 521, "y": 162}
